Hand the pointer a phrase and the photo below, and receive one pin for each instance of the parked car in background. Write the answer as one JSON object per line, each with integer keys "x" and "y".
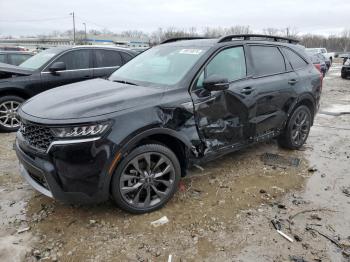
{"x": 14, "y": 57}
{"x": 345, "y": 70}
{"x": 13, "y": 48}
{"x": 319, "y": 62}
{"x": 345, "y": 57}
{"x": 326, "y": 57}
{"x": 51, "y": 68}
{"x": 132, "y": 136}
{"x": 329, "y": 56}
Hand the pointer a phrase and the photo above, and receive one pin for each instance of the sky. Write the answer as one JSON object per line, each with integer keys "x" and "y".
{"x": 31, "y": 17}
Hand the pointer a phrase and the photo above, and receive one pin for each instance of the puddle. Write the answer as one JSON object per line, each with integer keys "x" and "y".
{"x": 277, "y": 160}
{"x": 201, "y": 216}
{"x": 336, "y": 110}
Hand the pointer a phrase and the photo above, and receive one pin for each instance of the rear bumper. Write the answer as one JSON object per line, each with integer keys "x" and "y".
{"x": 49, "y": 180}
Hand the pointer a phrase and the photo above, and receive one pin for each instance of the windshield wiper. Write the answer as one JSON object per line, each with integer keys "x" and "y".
{"x": 124, "y": 82}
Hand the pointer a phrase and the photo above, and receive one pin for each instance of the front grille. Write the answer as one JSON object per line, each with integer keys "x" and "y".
{"x": 39, "y": 137}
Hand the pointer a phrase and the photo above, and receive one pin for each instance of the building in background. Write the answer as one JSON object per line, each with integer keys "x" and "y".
{"x": 37, "y": 44}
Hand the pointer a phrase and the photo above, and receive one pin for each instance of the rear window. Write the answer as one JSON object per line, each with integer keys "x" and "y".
{"x": 296, "y": 61}
{"x": 107, "y": 58}
{"x": 267, "y": 60}
{"x": 126, "y": 56}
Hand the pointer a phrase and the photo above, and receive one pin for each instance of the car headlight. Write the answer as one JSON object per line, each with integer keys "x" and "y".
{"x": 80, "y": 131}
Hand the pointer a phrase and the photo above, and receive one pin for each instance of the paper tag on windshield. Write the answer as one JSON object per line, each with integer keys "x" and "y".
{"x": 191, "y": 51}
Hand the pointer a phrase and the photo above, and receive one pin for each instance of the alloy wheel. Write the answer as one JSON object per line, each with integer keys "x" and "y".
{"x": 8, "y": 114}
{"x": 147, "y": 180}
{"x": 300, "y": 127}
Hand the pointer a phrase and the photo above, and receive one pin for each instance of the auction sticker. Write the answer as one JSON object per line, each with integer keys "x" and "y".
{"x": 191, "y": 51}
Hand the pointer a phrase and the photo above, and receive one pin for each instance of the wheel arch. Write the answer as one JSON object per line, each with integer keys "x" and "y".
{"x": 307, "y": 100}
{"x": 14, "y": 91}
{"x": 177, "y": 142}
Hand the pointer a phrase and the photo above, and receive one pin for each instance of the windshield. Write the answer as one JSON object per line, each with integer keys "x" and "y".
{"x": 161, "y": 65}
{"x": 37, "y": 61}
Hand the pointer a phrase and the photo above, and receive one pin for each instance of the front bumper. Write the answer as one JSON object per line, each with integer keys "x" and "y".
{"x": 345, "y": 70}
{"x": 73, "y": 173}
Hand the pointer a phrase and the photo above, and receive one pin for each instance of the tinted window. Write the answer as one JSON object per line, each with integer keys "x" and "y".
{"x": 229, "y": 63}
{"x": 3, "y": 58}
{"x": 17, "y": 59}
{"x": 107, "y": 58}
{"x": 77, "y": 59}
{"x": 296, "y": 61}
{"x": 126, "y": 56}
{"x": 267, "y": 60}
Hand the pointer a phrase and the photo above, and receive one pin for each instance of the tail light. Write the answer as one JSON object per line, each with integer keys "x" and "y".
{"x": 318, "y": 66}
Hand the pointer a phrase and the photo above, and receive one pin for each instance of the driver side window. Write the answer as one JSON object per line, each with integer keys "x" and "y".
{"x": 77, "y": 59}
{"x": 229, "y": 63}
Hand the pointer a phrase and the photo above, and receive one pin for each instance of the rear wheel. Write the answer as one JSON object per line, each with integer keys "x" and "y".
{"x": 9, "y": 121}
{"x": 146, "y": 179}
{"x": 343, "y": 75}
{"x": 297, "y": 129}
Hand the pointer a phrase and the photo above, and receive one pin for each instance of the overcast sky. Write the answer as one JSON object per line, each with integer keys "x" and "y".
{"x": 30, "y": 17}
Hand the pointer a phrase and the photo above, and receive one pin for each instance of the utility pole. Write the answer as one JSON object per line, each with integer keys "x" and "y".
{"x": 85, "y": 33}
{"x": 287, "y": 31}
{"x": 73, "y": 27}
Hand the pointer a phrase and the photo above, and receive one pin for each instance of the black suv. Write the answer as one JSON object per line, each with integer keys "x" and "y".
{"x": 51, "y": 68}
{"x": 134, "y": 135}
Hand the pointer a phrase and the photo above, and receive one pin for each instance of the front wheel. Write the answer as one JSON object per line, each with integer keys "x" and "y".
{"x": 146, "y": 179}
{"x": 9, "y": 105}
{"x": 297, "y": 128}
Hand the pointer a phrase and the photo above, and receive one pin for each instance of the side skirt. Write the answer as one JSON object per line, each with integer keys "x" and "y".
{"x": 212, "y": 155}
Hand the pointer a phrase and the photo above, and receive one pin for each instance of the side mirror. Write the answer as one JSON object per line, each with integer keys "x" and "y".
{"x": 57, "y": 66}
{"x": 216, "y": 83}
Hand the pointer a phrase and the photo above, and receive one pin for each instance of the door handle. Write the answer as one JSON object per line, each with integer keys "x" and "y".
{"x": 247, "y": 90}
{"x": 87, "y": 76}
{"x": 292, "y": 81}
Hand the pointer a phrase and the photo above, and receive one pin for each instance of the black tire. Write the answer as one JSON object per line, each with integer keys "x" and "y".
{"x": 8, "y": 116}
{"x": 343, "y": 75}
{"x": 295, "y": 134}
{"x": 149, "y": 182}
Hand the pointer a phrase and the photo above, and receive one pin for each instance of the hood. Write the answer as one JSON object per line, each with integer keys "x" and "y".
{"x": 12, "y": 69}
{"x": 88, "y": 99}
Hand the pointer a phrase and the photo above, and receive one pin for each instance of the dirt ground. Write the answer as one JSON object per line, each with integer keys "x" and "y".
{"x": 222, "y": 212}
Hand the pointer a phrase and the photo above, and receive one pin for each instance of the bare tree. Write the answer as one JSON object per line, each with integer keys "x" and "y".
{"x": 344, "y": 40}
{"x": 271, "y": 31}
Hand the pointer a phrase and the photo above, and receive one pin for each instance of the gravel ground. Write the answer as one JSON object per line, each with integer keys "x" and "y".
{"x": 222, "y": 212}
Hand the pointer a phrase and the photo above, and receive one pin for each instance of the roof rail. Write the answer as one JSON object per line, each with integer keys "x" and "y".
{"x": 182, "y": 38}
{"x": 264, "y": 37}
